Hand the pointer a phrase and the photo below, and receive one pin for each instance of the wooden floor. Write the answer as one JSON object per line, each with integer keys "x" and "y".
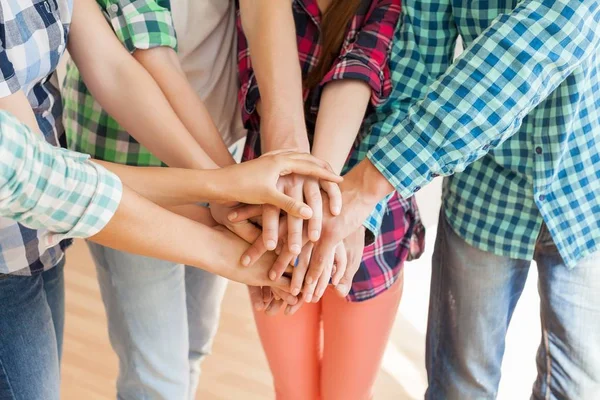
{"x": 236, "y": 370}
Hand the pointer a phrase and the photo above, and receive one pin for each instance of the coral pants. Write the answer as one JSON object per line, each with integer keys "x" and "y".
{"x": 338, "y": 360}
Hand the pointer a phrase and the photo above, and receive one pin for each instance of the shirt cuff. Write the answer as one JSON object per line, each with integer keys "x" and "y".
{"x": 100, "y": 210}
{"x": 142, "y": 24}
{"x": 374, "y": 220}
{"x": 354, "y": 64}
{"x": 404, "y": 160}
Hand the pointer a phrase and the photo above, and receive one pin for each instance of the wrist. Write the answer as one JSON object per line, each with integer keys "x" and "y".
{"x": 212, "y": 185}
{"x": 284, "y": 133}
{"x": 367, "y": 179}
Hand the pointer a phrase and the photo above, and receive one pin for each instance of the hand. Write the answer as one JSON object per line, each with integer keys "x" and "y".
{"x": 256, "y": 181}
{"x": 355, "y": 246}
{"x": 244, "y": 229}
{"x": 270, "y": 299}
{"x": 362, "y": 188}
{"x": 272, "y": 225}
{"x": 255, "y": 276}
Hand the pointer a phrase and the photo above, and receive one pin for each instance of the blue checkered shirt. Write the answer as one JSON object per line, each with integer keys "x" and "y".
{"x": 33, "y": 36}
{"x": 514, "y": 122}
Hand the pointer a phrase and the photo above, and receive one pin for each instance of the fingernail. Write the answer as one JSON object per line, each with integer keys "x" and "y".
{"x": 271, "y": 244}
{"x": 308, "y": 298}
{"x": 246, "y": 261}
{"x": 288, "y": 310}
{"x": 306, "y": 212}
{"x": 336, "y": 210}
{"x": 314, "y": 235}
{"x": 272, "y": 275}
{"x": 316, "y": 299}
{"x": 278, "y": 251}
{"x": 309, "y": 280}
{"x": 232, "y": 216}
{"x": 296, "y": 291}
{"x": 258, "y": 306}
{"x": 295, "y": 248}
{"x": 270, "y": 307}
{"x": 342, "y": 289}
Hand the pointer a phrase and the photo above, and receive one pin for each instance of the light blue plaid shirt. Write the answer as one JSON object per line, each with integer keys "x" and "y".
{"x": 56, "y": 191}
{"x": 516, "y": 119}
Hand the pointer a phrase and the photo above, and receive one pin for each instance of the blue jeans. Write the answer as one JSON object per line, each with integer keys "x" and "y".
{"x": 32, "y": 315}
{"x": 473, "y": 296}
{"x": 162, "y": 318}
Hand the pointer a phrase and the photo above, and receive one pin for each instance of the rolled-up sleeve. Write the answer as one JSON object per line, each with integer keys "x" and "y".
{"x": 365, "y": 57}
{"x": 53, "y": 189}
{"x": 141, "y": 24}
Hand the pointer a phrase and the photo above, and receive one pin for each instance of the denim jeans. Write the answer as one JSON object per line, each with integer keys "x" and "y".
{"x": 473, "y": 296}
{"x": 32, "y": 315}
{"x": 162, "y": 318}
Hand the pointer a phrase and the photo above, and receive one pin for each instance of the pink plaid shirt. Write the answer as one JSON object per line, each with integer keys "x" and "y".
{"x": 363, "y": 56}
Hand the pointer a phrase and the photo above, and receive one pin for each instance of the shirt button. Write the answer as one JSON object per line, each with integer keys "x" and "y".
{"x": 114, "y": 8}
{"x": 486, "y": 147}
{"x": 434, "y": 175}
{"x": 417, "y": 188}
{"x": 542, "y": 197}
{"x": 538, "y": 150}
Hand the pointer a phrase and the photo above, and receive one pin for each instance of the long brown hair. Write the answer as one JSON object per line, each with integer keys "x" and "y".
{"x": 334, "y": 25}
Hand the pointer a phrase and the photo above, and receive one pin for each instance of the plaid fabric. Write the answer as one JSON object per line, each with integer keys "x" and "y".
{"x": 33, "y": 37}
{"x": 139, "y": 24}
{"x": 516, "y": 117}
{"x": 51, "y": 189}
{"x": 364, "y": 56}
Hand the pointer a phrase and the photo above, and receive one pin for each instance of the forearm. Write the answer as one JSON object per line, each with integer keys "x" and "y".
{"x": 171, "y": 186}
{"x": 128, "y": 92}
{"x": 341, "y": 113}
{"x": 141, "y": 227}
{"x": 270, "y": 30}
{"x": 164, "y": 66}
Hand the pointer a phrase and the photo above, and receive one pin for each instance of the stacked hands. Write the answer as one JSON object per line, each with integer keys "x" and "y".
{"x": 292, "y": 207}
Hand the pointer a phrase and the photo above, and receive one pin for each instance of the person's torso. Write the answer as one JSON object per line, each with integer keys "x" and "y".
{"x": 402, "y": 233}
{"x": 548, "y": 171}
{"x": 33, "y": 34}
{"x": 206, "y": 37}
{"x": 307, "y": 18}
{"x": 206, "y": 49}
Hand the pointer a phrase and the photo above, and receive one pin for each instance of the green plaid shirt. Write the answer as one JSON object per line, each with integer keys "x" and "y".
{"x": 139, "y": 24}
{"x": 57, "y": 191}
{"x": 514, "y": 121}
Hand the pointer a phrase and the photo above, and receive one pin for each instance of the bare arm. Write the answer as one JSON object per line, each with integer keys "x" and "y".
{"x": 270, "y": 30}
{"x": 341, "y": 113}
{"x": 128, "y": 92}
{"x": 141, "y": 227}
{"x": 253, "y": 182}
{"x": 164, "y": 66}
